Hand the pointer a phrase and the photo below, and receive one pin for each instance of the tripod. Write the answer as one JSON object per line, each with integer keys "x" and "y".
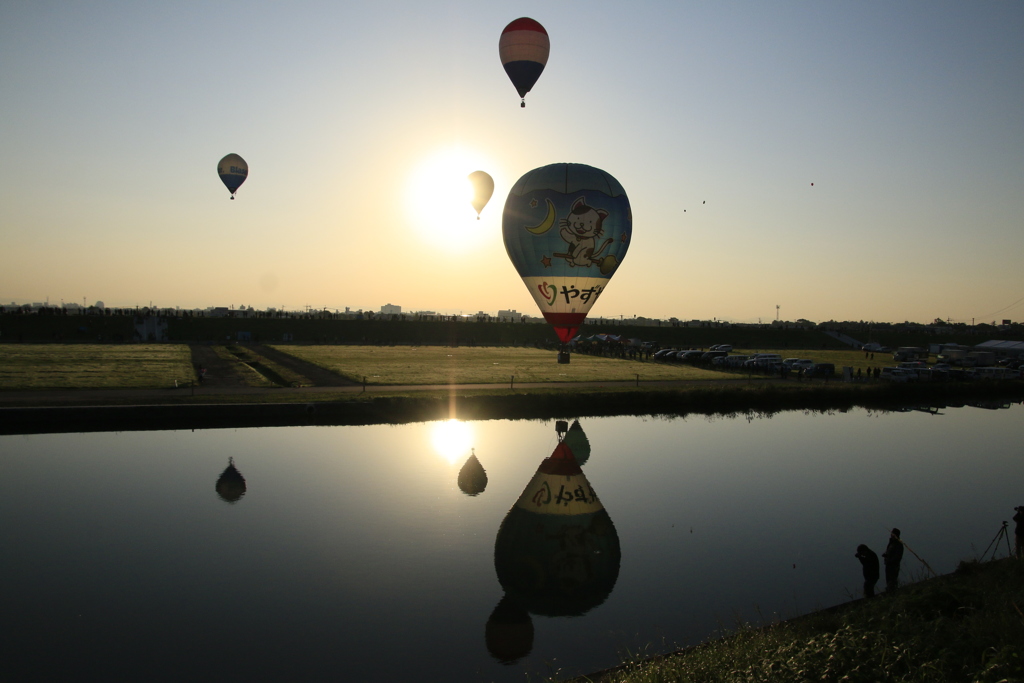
{"x": 995, "y": 543}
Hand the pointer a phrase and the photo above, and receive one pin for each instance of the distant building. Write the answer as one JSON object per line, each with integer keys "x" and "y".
{"x": 512, "y": 316}
{"x": 390, "y": 309}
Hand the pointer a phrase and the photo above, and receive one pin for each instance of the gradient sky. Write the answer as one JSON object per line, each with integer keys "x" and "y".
{"x": 355, "y": 117}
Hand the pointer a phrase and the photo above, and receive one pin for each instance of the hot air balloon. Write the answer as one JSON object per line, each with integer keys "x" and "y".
{"x": 233, "y": 171}
{"x": 523, "y": 48}
{"x": 231, "y": 484}
{"x": 483, "y": 188}
{"x": 566, "y": 228}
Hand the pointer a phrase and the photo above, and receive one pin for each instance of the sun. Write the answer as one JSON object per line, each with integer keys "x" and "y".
{"x": 452, "y": 439}
{"x": 438, "y": 201}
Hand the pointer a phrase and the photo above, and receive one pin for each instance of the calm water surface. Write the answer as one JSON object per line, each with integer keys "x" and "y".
{"x": 351, "y": 552}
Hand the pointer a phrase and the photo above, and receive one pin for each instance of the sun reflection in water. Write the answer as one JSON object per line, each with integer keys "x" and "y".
{"x": 452, "y": 439}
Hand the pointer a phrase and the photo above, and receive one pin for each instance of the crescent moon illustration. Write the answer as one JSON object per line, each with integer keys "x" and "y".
{"x": 548, "y": 221}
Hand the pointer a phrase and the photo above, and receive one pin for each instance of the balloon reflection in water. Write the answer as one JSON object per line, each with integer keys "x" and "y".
{"x": 231, "y": 483}
{"x": 577, "y": 441}
{"x": 556, "y": 554}
{"x": 472, "y": 476}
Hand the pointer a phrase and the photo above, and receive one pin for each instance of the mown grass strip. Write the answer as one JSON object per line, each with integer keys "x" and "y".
{"x": 482, "y": 365}
{"x": 94, "y": 366}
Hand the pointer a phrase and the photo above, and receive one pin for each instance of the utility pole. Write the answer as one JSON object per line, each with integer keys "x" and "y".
{"x": 776, "y": 313}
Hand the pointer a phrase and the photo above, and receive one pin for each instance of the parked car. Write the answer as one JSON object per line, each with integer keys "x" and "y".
{"x": 709, "y": 356}
{"x": 895, "y": 375}
{"x": 820, "y": 370}
{"x": 690, "y": 356}
{"x": 664, "y": 352}
{"x": 765, "y": 360}
{"x": 721, "y": 347}
{"x": 804, "y": 364}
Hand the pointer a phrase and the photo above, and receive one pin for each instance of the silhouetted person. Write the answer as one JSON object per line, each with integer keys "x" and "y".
{"x": 1018, "y": 532}
{"x": 869, "y": 564}
{"x": 893, "y": 555}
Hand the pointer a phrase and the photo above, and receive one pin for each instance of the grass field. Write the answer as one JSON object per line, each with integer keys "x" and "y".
{"x": 481, "y": 365}
{"x": 94, "y": 366}
{"x": 108, "y": 366}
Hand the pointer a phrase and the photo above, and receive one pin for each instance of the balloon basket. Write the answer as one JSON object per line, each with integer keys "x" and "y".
{"x": 563, "y": 357}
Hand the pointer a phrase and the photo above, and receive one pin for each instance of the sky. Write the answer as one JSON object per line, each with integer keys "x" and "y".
{"x": 360, "y": 121}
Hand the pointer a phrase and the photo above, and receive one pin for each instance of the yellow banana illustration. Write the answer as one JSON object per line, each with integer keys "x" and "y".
{"x": 548, "y": 221}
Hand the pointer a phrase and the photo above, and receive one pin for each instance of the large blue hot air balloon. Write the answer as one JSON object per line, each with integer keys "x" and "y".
{"x": 523, "y": 48}
{"x": 233, "y": 171}
{"x": 567, "y": 228}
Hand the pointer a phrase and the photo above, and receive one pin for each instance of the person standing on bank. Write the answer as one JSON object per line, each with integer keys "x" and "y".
{"x": 869, "y": 564}
{"x": 1018, "y": 532}
{"x": 893, "y": 555}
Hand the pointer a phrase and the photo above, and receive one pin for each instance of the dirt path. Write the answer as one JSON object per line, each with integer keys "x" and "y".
{"x": 314, "y": 373}
{"x": 219, "y": 372}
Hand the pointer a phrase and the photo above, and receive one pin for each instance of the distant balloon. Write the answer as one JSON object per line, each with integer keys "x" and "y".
{"x": 472, "y": 477}
{"x": 566, "y": 269}
{"x": 483, "y": 188}
{"x": 523, "y": 48}
{"x": 812, "y": 184}
{"x": 233, "y": 171}
{"x": 231, "y": 484}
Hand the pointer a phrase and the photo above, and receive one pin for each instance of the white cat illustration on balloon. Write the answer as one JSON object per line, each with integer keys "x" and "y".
{"x": 581, "y": 230}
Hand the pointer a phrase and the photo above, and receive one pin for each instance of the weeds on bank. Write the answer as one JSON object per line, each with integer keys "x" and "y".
{"x": 968, "y": 626}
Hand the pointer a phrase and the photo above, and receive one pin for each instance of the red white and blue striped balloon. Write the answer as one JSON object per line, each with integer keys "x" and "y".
{"x": 524, "y": 48}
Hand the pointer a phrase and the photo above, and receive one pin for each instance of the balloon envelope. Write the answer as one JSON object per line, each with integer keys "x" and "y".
{"x": 233, "y": 171}
{"x": 567, "y": 228}
{"x": 483, "y": 188}
{"x": 523, "y": 48}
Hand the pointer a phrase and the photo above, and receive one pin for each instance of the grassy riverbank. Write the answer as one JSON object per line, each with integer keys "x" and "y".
{"x": 966, "y": 626}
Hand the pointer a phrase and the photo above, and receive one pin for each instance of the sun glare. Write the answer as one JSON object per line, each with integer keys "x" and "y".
{"x": 438, "y": 201}
{"x": 452, "y": 439}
